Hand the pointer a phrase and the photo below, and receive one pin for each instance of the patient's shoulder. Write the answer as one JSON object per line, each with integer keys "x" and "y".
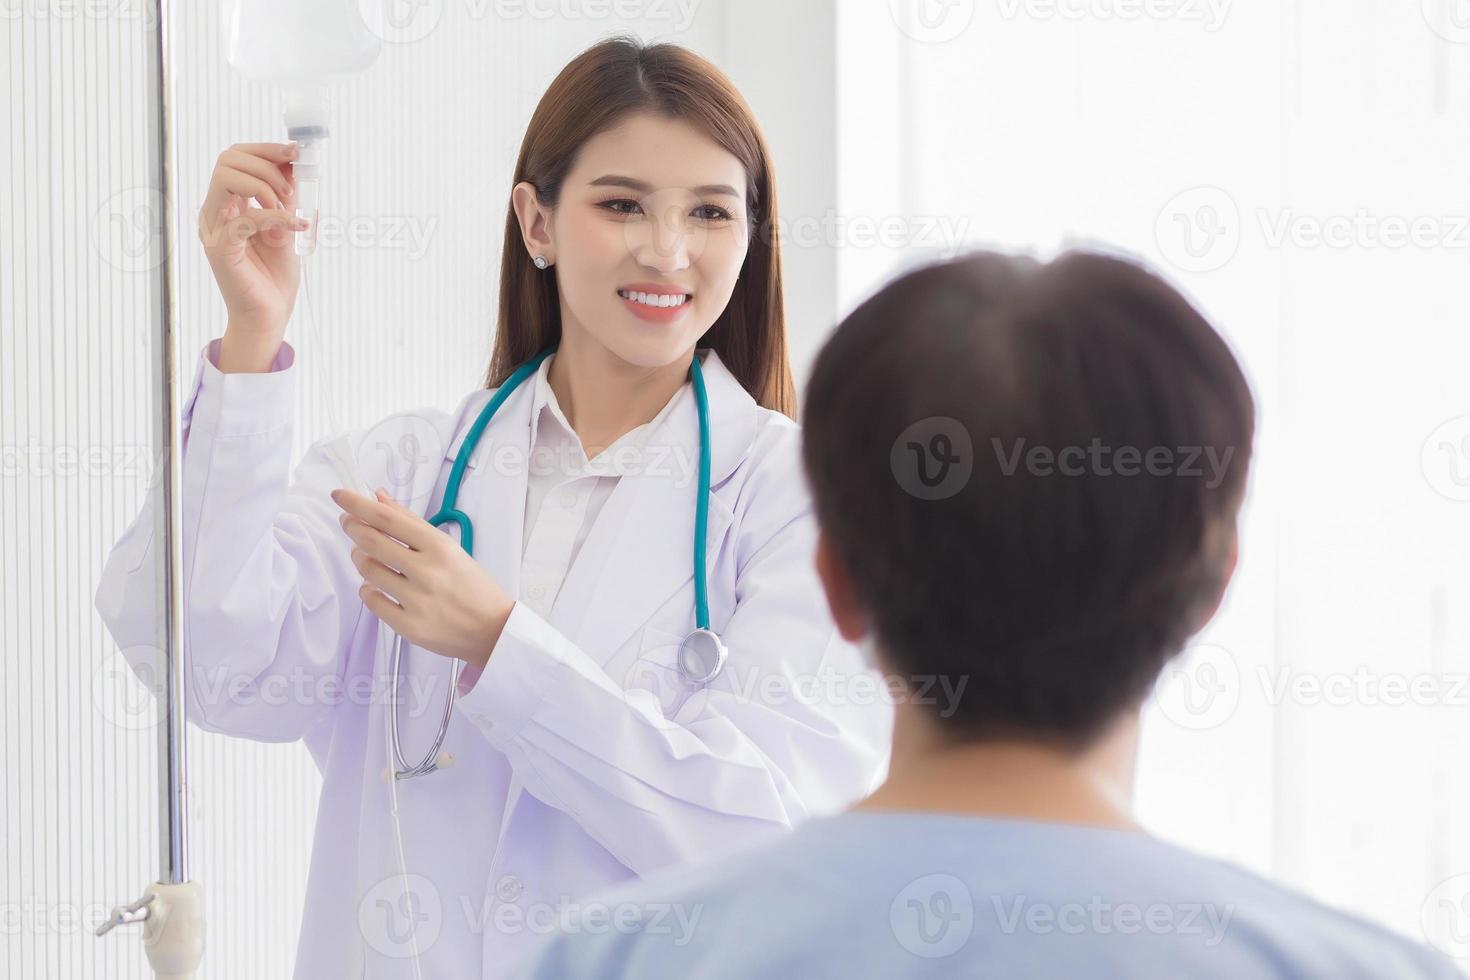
{"x": 870, "y": 893}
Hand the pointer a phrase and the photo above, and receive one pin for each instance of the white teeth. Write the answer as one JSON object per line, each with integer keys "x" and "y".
{"x": 651, "y": 299}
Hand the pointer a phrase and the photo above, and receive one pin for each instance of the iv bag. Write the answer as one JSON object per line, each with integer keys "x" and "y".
{"x": 299, "y": 46}
{"x": 297, "y": 43}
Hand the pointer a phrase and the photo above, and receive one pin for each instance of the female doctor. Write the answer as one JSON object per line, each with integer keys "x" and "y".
{"x": 596, "y": 732}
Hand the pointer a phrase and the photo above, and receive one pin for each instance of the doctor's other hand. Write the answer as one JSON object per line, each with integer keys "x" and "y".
{"x": 420, "y": 582}
{"x": 251, "y": 249}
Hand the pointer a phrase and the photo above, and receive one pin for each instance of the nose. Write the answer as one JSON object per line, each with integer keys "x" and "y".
{"x": 663, "y": 243}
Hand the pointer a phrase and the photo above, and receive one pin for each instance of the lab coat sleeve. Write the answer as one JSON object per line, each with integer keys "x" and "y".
{"x": 737, "y": 761}
{"x": 269, "y": 594}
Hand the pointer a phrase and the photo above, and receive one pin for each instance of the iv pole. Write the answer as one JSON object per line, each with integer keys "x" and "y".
{"x": 171, "y": 909}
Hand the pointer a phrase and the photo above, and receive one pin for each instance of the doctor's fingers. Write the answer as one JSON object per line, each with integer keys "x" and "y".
{"x": 411, "y": 529}
{"x": 230, "y": 182}
{"x": 249, "y": 172}
{"x": 383, "y": 547}
{"x": 380, "y": 576}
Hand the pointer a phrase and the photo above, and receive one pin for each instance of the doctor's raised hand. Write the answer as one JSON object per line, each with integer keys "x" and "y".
{"x": 250, "y": 249}
{"x": 420, "y": 582}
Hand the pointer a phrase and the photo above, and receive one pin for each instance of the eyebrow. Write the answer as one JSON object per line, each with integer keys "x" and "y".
{"x": 617, "y": 180}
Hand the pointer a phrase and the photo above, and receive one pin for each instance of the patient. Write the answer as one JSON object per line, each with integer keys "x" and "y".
{"x": 1027, "y": 477}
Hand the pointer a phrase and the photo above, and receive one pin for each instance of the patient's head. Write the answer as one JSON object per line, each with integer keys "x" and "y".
{"x": 1027, "y": 473}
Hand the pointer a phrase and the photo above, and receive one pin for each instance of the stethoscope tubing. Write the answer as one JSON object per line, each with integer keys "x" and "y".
{"x": 449, "y": 512}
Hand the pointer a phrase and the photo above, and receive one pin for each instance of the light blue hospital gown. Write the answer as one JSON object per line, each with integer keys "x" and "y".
{"x": 870, "y": 894}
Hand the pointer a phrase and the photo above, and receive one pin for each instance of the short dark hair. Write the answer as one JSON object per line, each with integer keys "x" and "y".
{"x": 1033, "y": 563}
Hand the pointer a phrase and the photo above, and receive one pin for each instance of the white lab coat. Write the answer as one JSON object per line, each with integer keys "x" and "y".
{"x": 582, "y": 758}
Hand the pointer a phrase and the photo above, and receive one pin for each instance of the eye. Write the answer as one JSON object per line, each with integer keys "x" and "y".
{"x": 621, "y": 200}
{"x": 720, "y": 214}
{"x": 704, "y": 212}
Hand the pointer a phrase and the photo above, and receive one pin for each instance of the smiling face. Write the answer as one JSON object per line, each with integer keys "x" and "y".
{"x": 648, "y": 238}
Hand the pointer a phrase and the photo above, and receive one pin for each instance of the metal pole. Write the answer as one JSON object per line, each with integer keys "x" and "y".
{"x": 172, "y": 745}
{"x": 171, "y": 908}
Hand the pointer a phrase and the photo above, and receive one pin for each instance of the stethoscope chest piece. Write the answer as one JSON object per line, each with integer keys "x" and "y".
{"x": 702, "y": 656}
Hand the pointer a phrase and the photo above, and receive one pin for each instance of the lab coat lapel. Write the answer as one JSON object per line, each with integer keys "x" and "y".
{"x": 640, "y": 551}
{"x": 493, "y": 494}
{"x": 493, "y": 491}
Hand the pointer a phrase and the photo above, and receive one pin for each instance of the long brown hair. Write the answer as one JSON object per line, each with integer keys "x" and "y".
{"x": 592, "y": 94}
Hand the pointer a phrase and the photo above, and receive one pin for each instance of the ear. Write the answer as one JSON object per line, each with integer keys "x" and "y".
{"x": 534, "y": 219}
{"x": 1227, "y": 571}
{"x": 852, "y": 622}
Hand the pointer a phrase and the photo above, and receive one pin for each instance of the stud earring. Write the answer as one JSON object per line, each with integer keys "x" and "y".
{"x": 540, "y": 261}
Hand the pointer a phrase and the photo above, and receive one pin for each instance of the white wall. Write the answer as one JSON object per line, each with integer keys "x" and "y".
{"x": 783, "y": 58}
{"x": 420, "y": 159}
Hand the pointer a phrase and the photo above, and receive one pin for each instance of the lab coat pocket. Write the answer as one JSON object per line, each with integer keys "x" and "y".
{"x": 656, "y": 672}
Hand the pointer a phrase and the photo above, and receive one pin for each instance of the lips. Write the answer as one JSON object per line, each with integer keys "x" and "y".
{"x": 657, "y": 304}
{"x": 648, "y": 286}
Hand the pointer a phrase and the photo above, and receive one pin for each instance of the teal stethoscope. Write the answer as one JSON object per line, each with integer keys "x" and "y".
{"x": 702, "y": 654}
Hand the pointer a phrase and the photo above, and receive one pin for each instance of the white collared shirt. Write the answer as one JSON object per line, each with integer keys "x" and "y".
{"x": 565, "y": 492}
